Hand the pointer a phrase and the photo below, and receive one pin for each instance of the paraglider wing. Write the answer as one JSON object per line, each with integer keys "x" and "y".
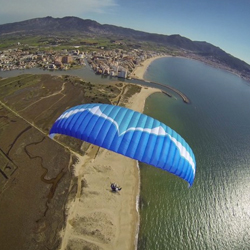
{"x": 129, "y": 133}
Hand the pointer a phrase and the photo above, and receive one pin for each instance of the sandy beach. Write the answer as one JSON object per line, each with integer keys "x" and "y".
{"x": 98, "y": 218}
{"x": 140, "y": 70}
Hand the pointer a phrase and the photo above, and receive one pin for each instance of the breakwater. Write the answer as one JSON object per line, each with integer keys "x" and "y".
{"x": 184, "y": 97}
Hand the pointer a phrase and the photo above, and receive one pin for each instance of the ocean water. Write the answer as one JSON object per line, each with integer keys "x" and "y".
{"x": 215, "y": 212}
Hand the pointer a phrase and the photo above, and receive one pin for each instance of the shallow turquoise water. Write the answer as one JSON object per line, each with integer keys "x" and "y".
{"x": 215, "y": 212}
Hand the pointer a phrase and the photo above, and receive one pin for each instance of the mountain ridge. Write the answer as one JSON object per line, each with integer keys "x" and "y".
{"x": 71, "y": 25}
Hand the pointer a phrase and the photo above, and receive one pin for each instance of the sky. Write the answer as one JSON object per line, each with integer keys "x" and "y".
{"x": 223, "y": 23}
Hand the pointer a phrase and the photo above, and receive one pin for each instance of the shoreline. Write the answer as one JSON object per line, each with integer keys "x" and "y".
{"x": 139, "y": 71}
{"x": 97, "y": 218}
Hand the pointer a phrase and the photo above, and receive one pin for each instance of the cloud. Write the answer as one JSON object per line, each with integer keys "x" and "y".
{"x": 25, "y": 9}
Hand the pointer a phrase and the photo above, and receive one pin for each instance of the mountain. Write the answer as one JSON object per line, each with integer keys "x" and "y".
{"x": 73, "y": 26}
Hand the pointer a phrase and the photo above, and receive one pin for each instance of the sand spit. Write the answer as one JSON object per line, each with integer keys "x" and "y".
{"x": 98, "y": 218}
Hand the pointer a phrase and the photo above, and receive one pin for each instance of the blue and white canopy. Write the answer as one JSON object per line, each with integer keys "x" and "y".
{"x": 129, "y": 133}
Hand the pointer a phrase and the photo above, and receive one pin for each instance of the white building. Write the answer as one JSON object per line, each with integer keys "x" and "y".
{"x": 122, "y": 72}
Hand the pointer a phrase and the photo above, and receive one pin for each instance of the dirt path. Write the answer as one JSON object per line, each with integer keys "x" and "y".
{"x": 32, "y": 124}
{"x": 21, "y": 117}
{"x": 45, "y": 97}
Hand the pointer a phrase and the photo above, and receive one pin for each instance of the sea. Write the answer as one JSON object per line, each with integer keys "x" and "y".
{"x": 213, "y": 214}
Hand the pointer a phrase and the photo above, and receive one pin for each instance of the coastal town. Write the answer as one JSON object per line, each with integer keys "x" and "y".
{"x": 117, "y": 62}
